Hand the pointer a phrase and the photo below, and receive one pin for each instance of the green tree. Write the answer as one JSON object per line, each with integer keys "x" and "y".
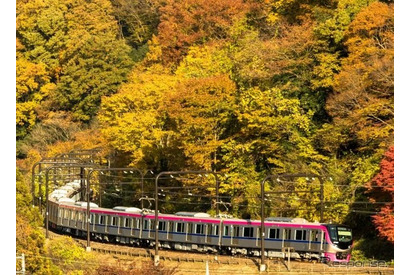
{"x": 69, "y": 257}
{"x": 138, "y": 19}
{"x": 77, "y": 44}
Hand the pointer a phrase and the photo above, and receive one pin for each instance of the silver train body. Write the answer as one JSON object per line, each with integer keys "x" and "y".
{"x": 191, "y": 231}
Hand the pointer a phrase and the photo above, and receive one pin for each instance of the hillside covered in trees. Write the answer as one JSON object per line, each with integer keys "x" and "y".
{"x": 247, "y": 88}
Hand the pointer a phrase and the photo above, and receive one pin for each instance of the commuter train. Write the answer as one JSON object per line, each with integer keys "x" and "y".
{"x": 195, "y": 231}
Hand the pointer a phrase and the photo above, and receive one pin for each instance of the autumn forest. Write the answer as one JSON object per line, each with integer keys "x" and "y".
{"x": 245, "y": 88}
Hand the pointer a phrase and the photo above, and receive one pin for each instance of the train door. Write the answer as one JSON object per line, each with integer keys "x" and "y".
{"x": 189, "y": 232}
{"x": 114, "y": 224}
{"x": 301, "y": 237}
{"x": 170, "y": 233}
{"x": 104, "y": 222}
{"x": 140, "y": 223}
{"x": 314, "y": 237}
{"x": 66, "y": 219}
{"x": 151, "y": 224}
{"x": 137, "y": 226}
{"x": 322, "y": 238}
{"x": 125, "y": 224}
{"x": 132, "y": 226}
{"x": 208, "y": 233}
{"x": 85, "y": 221}
{"x": 235, "y": 234}
{"x": 93, "y": 219}
{"x": 286, "y": 237}
{"x": 218, "y": 232}
{"x": 60, "y": 216}
{"x": 71, "y": 218}
{"x": 161, "y": 228}
{"x": 77, "y": 218}
{"x": 258, "y": 235}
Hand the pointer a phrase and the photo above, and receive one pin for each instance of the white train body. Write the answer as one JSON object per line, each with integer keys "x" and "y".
{"x": 192, "y": 231}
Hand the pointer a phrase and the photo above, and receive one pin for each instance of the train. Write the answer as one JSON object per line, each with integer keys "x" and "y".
{"x": 197, "y": 231}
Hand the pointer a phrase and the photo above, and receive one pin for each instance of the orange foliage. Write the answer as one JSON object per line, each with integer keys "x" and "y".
{"x": 363, "y": 90}
{"x": 186, "y": 22}
{"x": 87, "y": 139}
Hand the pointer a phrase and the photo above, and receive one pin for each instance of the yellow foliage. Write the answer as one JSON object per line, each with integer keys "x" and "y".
{"x": 132, "y": 119}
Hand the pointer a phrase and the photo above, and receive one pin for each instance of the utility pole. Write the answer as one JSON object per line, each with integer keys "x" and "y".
{"x": 171, "y": 173}
{"x": 262, "y": 266}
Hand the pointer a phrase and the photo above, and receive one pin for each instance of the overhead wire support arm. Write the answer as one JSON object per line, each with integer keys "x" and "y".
{"x": 101, "y": 171}
{"x": 47, "y": 161}
{"x": 60, "y": 165}
{"x": 262, "y": 266}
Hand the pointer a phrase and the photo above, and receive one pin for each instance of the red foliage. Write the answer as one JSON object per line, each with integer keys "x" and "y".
{"x": 382, "y": 188}
{"x": 385, "y": 178}
{"x": 384, "y": 222}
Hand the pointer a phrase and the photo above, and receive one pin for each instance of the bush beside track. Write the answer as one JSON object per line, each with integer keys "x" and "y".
{"x": 191, "y": 263}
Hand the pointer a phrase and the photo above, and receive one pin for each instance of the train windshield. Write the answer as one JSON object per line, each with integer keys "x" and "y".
{"x": 341, "y": 234}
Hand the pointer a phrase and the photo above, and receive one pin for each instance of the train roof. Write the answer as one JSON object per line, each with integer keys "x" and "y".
{"x": 66, "y": 200}
{"x": 193, "y": 214}
{"x": 84, "y": 204}
{"x": 127, "y": 209}
{"x": 286, "y": 219}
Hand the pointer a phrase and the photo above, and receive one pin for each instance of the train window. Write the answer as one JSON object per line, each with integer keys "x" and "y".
{"x": 248, "y": 231}
{"x": 80, "y": 215}
{"x": 180, "y": 227}
{"x": 114, "y": 221}
{"x": 161, "y": 225}
{"x": 60, "y": 213}
{"x": 102, "y": 219}
{"x": 274, "y": 233}
{"x": 126, "y": 222}
{"x": 300, "y": 235}
{"x": 199, "y": 228}
{"x": 66, "y": 214}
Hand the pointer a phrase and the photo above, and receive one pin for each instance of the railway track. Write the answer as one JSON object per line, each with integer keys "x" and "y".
{"x": 189, "y": 262}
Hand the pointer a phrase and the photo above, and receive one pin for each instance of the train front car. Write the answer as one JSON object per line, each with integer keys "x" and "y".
{"x": 340, "y": 243}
